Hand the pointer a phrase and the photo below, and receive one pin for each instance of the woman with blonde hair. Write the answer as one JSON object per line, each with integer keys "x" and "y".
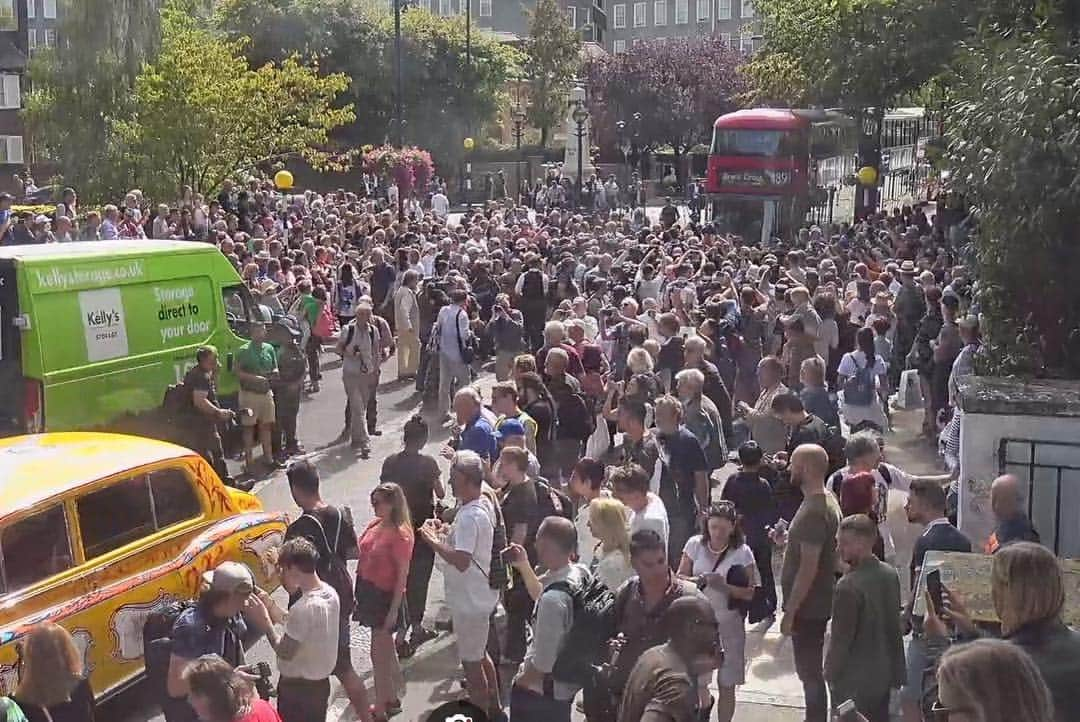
{"x": 608, "y": 519}
{"x": 524, "y": 364}
{"x": 990, "y": 680}
{"x": 53, "y": 686}
{"x": 1028, "y": 591}
{"x": 382, "y": 575}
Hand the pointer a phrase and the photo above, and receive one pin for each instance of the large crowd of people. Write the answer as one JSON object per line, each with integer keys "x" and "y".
{"x": 673, "y": 404}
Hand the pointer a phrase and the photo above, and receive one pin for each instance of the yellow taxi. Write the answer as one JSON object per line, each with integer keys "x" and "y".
{"x": 96, "y": 530}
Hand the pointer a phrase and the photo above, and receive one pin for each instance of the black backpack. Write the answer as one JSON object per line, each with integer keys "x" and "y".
{"x": 331, "y": 568}
{"x": 834, "y": 449}
{"x": 552, "y": 502}
{"x": 591, "y": 628}
{"x": 575, "y": 416}
{"x": 177, "y": 399}
{"x": 157, "y": 640}
{"x": 532, "y": 287}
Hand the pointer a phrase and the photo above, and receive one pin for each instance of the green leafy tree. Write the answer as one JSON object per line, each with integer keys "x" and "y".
{"x": 201, "y": 113}
{"x": 553, "y": 58}
{"x": 1014, "y": 150}
{"x": 77, "y": 93}
{"x": 443, "y": 95}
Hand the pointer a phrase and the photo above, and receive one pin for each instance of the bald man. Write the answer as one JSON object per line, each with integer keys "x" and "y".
{"x": 662, "y": 685}
{"x": 808, "y": 574}
{"x": 1007, "y": 502}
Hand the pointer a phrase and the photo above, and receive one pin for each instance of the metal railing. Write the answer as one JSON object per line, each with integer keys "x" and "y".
{"x": 1051, "y": 471}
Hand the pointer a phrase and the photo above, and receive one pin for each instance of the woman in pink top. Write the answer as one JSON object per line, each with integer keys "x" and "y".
{"x": 218, "y": 693}
{"x": 381, "y": 575}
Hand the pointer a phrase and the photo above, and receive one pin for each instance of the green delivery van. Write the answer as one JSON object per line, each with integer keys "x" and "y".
{"x": 92, "y": 333}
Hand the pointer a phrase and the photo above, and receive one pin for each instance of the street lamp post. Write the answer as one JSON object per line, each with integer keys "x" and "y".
{"x": 519, "y": 131}
{"x": 399, "y": 115}
{"x": 624, "y": 148}
{"x": 468, "y": 144}
{"x": 580, "y": 116}
{"x": 637, "y": 159}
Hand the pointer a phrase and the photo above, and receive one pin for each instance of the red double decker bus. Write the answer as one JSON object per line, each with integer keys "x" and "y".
{"x": 758, "y": 177}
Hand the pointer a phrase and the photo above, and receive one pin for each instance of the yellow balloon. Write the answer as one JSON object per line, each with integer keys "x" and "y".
{"x": 283, "y": 180}
{"x": 468, "y": 143}
{"x": 867, "y": 175}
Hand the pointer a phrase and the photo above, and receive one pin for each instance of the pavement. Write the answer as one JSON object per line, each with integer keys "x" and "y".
{"x": 771, "y": 692}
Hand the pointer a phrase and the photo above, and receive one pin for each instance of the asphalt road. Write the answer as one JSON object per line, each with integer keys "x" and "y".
{"x": 346, "y": 480}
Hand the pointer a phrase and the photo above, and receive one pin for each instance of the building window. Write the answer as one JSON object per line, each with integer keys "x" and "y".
{"x": 571, "y": 16}
{"x": 619, "y": 16}
{"x": 702, "y": 10}
{"x": 444, "y": 7}
{"x": 50, "y": 38}
{"x": 31, "y": 39}
{"x": 9, "y": 92}
{"x": 723, "y": 10}
{"x": 725, "y": 38}
{"x": 619, "y": 46}
{"x": 659, "y": 11}
{"x": 636, "y": 41}
{"x": 31, "y": 9}
{"x": 9, "y": 19}
{"x": 49, "y": 8}
{"x": 747, "y": 8}
{"x": 746, "y": 43}
{"x": 463, "y": 6}
{"x": 485, "y": 8}
{"x": 682, "y": 12}
{"x": 639, "y": 15}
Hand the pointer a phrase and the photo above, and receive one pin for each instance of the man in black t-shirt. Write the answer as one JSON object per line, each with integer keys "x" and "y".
{"x": 521, "y": 512}
{"x": 803, "y": 428}
{"x": 752, "y": 495}
{"x": 331, "y": 530}
{"x": 200, "y": 382}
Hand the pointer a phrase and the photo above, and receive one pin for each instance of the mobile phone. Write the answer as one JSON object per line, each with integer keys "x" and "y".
{"x": 933, "y": 585}
{"x": 846, "y": 711}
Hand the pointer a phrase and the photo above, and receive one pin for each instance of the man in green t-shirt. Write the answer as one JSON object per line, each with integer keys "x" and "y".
{"x": 256, "y": 364}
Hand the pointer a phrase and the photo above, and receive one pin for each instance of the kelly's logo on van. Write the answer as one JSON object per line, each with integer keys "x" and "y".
{"x": 103, "y": 324}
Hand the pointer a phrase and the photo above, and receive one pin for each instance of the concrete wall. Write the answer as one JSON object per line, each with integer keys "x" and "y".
{"x": 1054, "y": 516}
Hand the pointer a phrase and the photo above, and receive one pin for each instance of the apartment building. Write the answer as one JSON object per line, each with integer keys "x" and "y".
{"x": 13, "y": 62}
{"x": 635, "y": 21}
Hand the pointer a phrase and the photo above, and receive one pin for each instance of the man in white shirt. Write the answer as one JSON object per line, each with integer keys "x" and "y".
{"x": 407, "y": 324}
{"x": 631, "y": 486}
{"x": 452, "y": 324}
{"x": 465, "y": 547}
{"x": 307, "y": 646}
{"x": 440, "y": 205}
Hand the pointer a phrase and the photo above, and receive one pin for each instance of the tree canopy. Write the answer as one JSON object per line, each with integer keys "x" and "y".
{"x": 678, "y": 86}
{"x": 553, "y": 52}
{"x": 443, "y": 95}
{"x": 201, "y": 113}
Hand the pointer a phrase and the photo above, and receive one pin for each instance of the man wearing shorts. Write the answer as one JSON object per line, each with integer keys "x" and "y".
{"x": 465, "y": 546}
{"x": 256, "y": 362}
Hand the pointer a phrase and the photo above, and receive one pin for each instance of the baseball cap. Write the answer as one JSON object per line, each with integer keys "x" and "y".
{"x": 510, "y": 427}
{"x": 231, "y": 577}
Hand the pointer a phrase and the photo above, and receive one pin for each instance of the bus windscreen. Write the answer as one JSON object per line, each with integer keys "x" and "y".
{"x": 748, "y": 142}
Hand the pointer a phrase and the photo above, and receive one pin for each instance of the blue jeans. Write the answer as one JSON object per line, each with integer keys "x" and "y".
{"x": 528, "y": 706}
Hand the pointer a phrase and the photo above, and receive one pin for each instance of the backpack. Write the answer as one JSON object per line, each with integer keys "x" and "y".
{"x": 326, "y": 324}
{"x": 859, "y": 388}
{"x": 177, "y": 399}
{"x": 552, "y": 502}
{"x": 834, "y": 448}
{"x": 157, "y": 639}
{"x": 591, "y": 628}
{"x": 532, "y": 287}
{"x": 575, "y": 417}
{"x": 331, "y": 567}
{"x": 499, "y": 572}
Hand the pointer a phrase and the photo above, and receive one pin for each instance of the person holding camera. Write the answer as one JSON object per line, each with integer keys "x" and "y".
{"x": 506, "y": 330}
{"x": 361, "y": 349}
{"x": 722, "y": 565}
{"x": 219, "y": 693}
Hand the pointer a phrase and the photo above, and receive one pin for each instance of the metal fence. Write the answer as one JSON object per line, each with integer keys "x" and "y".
{"x": 1051, "y": 471}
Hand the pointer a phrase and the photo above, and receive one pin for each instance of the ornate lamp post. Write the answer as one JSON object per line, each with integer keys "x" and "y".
{"x": 580, "y": 116}
{"x": 468, "y": 144}
{"x": 519, "y": 132}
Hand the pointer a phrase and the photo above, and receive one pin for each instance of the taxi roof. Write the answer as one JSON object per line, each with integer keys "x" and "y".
{"x": 40, "y": 466}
